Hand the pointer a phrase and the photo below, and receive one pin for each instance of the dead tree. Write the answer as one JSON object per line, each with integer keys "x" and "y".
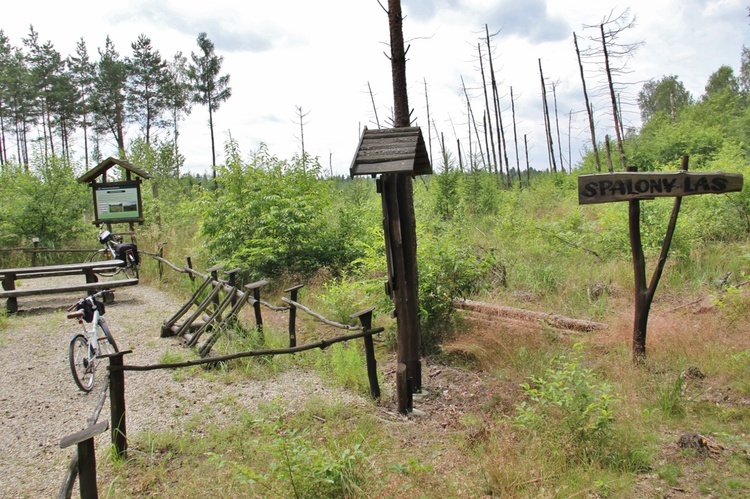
{"x": 473, "y": 121}
{"x": 589, "y": 110}
{"x": 557, "y": 127}
{"x": 515, "y": 134}
{"x": 429, "y": 133}
{"x": 498, "y": 111}
{"x": 374, "y": 108}
{"x": 547, "y": 126}
{"x": 488, "y": 123}
{"x": 609, "y": 32}
{"x": 301, "y": 116}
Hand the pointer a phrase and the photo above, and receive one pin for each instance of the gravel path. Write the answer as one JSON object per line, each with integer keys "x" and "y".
{"x": 40, "y": 404}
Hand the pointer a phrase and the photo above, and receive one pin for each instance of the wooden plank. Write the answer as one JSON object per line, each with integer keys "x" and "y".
{"x": 68, "y": 289}
{"x": 84, "y": 434}
{"x": 61, "y": 273}
{"x": 80, "y": 267}
{"x": 611, "y": 187}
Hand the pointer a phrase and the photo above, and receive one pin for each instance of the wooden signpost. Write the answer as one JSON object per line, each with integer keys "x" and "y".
{"x": 633, "y": 186}
{"x": 610, "y": 187}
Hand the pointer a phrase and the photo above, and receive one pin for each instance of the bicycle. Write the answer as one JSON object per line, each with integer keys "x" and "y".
{"x": 96, "y": 340}
{"x": 115, "y": 249}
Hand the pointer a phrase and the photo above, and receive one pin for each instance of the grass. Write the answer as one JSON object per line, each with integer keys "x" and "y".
{"x": 596, "y": 426}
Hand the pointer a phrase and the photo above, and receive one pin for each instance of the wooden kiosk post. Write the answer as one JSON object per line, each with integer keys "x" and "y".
{"x": 633, "y": 186}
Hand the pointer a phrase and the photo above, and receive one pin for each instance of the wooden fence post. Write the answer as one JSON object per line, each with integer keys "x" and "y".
{"x": 117, "y": 402}
{"x": 365, "y": 318}
{"x": 159, "y": 264}
{"x": 34, "y": 252}
{"x": 293, "y": 315}
{"x": 214, "y": 271}
{"x": 256, "y": 304}
{"x": 86, "y": 457}
{"x": 190, "y": 266}
{"x": 233, "y": 282}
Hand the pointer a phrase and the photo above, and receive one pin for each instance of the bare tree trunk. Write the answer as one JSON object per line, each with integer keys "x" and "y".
{"x": 429, "y": 133}
{"x": 557, "y": 127}
{"x": 498, "y": 112}
{"x": 474, "y": 122}
{"x": 614, "y": 100}
{"x": 589, "y": 110}
{"x": 526, "y": 148}
{"x": 547, "y": 124}
{"x": 608, "y": 148}
{"x": 374, "y": 109}
{"x": 488, "y": 123}
{"x": 401, "y": 208}
{"x": 515, "y": 134}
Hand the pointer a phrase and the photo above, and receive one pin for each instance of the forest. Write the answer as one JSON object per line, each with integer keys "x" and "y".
{"x": 579, "y": 414}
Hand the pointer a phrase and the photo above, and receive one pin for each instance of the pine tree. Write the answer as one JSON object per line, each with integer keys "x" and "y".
{"x": 108, "y": 103}
{"x": 83, "y": 73}
{"x": 210, "y": 89}
{"x": 177, "y": 92}
{"x": 146, "y": 83}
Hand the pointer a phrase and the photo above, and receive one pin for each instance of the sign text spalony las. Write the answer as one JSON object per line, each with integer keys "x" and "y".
{"x": 610, "y": 187}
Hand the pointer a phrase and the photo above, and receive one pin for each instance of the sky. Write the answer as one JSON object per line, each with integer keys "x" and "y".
{"x": 326, "y": 57}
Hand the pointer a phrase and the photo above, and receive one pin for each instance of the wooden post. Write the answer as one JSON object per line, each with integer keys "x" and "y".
{"x": 117, "y": 402}
{"x": 233, "y": 282}
{"x": 255, "y": 287}
{"x": 214, "y": 271}
{"x": 190, "y": 266}
{"x": 365, "y": 318}
{"x": 34, "y": 252}
{"x": 159, "y": 264}
{"x": 293, "y": 315}
{"x": 86, "y": 457}
{"x": 9, "y": 284}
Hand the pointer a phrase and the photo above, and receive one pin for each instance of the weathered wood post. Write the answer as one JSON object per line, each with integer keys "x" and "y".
{"x": 255, "y": 287}
{"x": 9, "y": 284}
{"x": 293, "y": 314}
{"x": 365, "y": 318}
{"x": 232, "y": 281}
{"x": 159, "y": 264}
{"x": 117, "y": 402}
{"x": 86, "y": 457}
{"x": 190, "y": 266}
{"x": 214, "y": 271}
{"x": 35, "y": 251}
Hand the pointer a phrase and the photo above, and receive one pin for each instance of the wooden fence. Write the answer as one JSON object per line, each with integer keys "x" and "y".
{"x": 83, "y": 463}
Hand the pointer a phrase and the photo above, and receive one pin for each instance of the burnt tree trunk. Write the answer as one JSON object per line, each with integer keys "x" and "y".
{"x": 403, "y": 236}
{"x": 612, "y": 95}
{"x": 589, "y": 111}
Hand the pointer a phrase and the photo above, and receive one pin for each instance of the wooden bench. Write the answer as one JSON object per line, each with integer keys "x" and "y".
{"x": 87, "y": 269}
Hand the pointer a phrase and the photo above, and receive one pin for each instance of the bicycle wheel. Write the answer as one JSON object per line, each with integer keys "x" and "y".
{"x": 103, "y": 255}
{"x": 81, "y": 365}
{"x": 107, "y": 343}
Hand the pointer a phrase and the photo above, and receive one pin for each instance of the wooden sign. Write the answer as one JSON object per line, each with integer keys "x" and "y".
{"x": 611, "y": 187}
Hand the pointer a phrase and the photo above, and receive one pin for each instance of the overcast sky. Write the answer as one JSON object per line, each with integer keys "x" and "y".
{"x": 321, "y": 55}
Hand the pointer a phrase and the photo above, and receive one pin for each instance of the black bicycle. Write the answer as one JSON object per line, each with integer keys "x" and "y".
{"x": 115, "y": 249}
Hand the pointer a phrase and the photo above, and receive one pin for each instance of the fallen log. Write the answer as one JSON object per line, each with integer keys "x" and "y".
{"x": 556, "y": 321}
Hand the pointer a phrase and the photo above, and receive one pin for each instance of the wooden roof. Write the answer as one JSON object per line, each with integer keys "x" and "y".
{"x": 108, "y": 163}
{"x": 391, "y": 150}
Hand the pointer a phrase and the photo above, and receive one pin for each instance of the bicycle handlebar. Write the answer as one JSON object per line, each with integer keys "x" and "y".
{"x": 98, "y": 294}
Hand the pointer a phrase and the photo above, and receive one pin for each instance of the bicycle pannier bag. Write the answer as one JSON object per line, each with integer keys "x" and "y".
{"x": 124, "y": 248}
{"x": 88, "y": 309}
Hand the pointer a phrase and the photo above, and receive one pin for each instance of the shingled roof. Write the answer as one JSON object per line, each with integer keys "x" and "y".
{"x": 108, "y": 163}
{"x": 391, "y": 150}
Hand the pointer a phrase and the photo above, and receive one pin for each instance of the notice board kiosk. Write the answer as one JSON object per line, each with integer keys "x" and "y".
{"x": 117, "y": 198}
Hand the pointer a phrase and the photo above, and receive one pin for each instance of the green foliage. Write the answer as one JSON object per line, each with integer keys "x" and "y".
{"x": 570, "y": 406}
{"x": 45, "y": 202}
{"x": 345, "y": 365}
{"x": 272, "y": 217}
{"x": 669, "y": 398}
{"x": 448, "y": 269}
{"x": 297, "y": 466}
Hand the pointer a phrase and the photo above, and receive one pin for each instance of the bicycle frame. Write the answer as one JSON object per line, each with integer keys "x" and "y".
{"x": 84, "y": 348}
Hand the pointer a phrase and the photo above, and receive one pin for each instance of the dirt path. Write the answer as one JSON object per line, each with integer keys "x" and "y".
{"x": 39, "y": 402}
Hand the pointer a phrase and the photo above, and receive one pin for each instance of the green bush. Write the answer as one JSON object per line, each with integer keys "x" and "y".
{"x": 570, "y": 410}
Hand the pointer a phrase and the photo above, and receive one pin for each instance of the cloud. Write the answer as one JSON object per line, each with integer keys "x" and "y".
{"x": 225, "y": 31}
{"x": 528, "y": 20}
